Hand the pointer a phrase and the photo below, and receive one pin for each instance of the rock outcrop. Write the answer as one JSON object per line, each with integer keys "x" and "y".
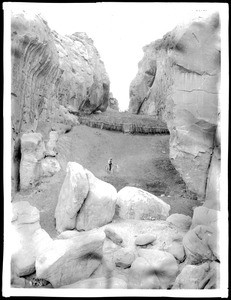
{"x": 34, "y": 165}
{"x": 49, "y": 69}
{"x": 178, "y": 81}
{"x": 49, "y": 73}
{"x": 84, "y": 83}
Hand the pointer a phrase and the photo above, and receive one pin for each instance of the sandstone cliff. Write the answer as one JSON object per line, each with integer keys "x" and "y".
{"x": 177, "y": 81}
{"x": 49, "y": 70}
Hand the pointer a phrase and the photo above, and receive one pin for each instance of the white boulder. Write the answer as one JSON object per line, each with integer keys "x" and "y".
{"x": 74, "y": 191}
{"x": 135, "y": 203}
{"x": 99, "y": 207}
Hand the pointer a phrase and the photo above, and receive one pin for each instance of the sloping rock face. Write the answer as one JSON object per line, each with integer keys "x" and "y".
{"x": 35, "y": 70}
{"x": 178, "y": 82}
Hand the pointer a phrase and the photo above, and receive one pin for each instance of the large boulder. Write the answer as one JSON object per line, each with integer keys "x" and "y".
{"x": 142, "y": 275}
{"x": 73, "y": 192}
{"x": 177, "y": 82}
{"x": 124, "y": 257}
{"x": 201, "y": 244}
{"x": 33, "y": 150}
{"x": 205, "y": 216}
{"x": 49, "y": 166}
{"x": 163, "y": 265}
{"x": 69, "y": 260}
{"x": 204, "y": 276}
{"x": 99, "y": 207}
{"x": 145, "y": 239}
{"x": 29, "y": 241}
{"x": 25, "y": 222}
{"x": 135, "y": 203}
{"x": 181, "y": 221}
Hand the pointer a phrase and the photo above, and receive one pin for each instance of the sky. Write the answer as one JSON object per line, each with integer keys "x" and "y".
{"x": 119, "y": 31}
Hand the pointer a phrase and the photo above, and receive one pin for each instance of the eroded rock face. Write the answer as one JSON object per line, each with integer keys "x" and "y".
{"x": 178, "y": 81}
{"x": 51, "y": 72}
{"x": 84, "y": 83}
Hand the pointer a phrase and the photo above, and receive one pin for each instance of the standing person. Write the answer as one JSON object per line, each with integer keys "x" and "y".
{"x": 110, "y": 164}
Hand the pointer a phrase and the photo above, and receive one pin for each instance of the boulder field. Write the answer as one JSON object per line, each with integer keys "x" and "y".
{"x": 178, "y": 82}
{"x": 105, "y": 243}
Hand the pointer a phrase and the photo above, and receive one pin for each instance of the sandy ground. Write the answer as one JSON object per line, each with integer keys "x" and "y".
{"x": 142, "y": 160}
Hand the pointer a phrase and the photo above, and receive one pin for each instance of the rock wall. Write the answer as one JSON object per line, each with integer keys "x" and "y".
{"x": 49, "y": 70}
{"x": 178, "y": 81}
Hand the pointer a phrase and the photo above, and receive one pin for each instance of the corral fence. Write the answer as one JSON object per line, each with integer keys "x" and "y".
{"x": 124, "y": 127}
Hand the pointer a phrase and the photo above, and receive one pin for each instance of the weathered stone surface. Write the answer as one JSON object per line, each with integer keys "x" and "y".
{"x": 51, "y": 144}
{"x": 145, "y": 239}
{"x": 163, "y": 264}
{"x": 74, "y": 191}
{"x": 177, "y": 81}
{"x": 201, "y": 244}
{"x": 177, "y": 250}
{"x": 113, "y": 103}
{"x": 70, "y": 260}
{"x": 49, "y": 166}
{"x": 113, "y": 236}
{"x": 204, "y": 276}
{"x": 33, "y": 150}
{"x": 205, "y": 216}
{"x": 124, "y": 257}
{"x": 191, "y": 276}
{"x": 99, "y": 207}
{"x": 25, "y": 222}
{"x": 98, "y": 283}
{"x": 84, "y": 83}
{"x": 181, "y": 221}
{"x": 51, "y": 72}
{"x": 16, "y": 281}
{"x": 213, "y": 184}
{"x": 135, "y": 203}
{"x": 142, "y": 275}
{"x": 35, "y": 70}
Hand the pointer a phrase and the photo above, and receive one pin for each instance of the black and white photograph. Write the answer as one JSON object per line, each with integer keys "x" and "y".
{"x": 115, "y": 149}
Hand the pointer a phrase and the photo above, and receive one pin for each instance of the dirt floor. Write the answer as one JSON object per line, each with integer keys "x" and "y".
{"x": 139, "y": 160}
